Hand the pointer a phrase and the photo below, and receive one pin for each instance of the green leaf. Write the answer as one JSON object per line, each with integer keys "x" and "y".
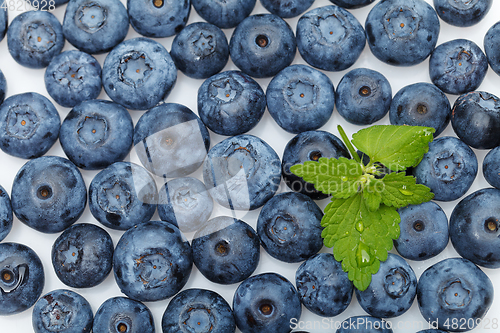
{"x": 339, "y": 177}
{"x": 360, "y": 238}
{"x": 396, "y": 147}
{"x": 400, "y": 190}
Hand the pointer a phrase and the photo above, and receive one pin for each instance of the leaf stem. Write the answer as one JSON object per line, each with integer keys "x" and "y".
{"x": 348, "y": 144}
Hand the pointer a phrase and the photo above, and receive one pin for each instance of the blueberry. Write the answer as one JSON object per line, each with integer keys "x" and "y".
{"x": 138, "y": 73}
{"x": 289, "y": 227}
{"x": 474, "y": 227}
{"x": 423, "y": 231}
{"x": 152, "y": 261}
{"x": 266, "y": 303}
{"x": 231, "y": 103}
{"x": 323, "y": 286}
{"x": 492, "y": 47}
{"x": 476, "y": 119}
{"x": 352, "y": 4}
{"x": 73, "y": 77}
{"x": 462, "y": 13}
{"x": 158, "y": 18}
{"x": 198, "y": 310}
{"x": 448, "y": 168}
{"x": 3, "y": 86}
{"x": 286, "y": 8}
{"x": 95, "y": 26}
{"x": 29, "y": 125}
{"x": 21, "y": 278}
{"x": 185, "y": 202}
{"x": 242, "y": 172}
{"x": 454, "y": 291}
{"x": 123, "y": 315}
{"x": 200, "y": 50}
{"x": 48, "y": 194}
{"x": 226, "y": 250}
{"x": 300, "y": 98}
{"x": 330, "y": 38}
{"x": 34, "y": 38}
{"x": 171, "y": 141}
{"x": 421, "y": 104}
{"x": 224, "y": 14}
{"x": 122, "y": 195}
{"x": 458, "y": 66}
{"x": 4, "y": 22}
{"x": 491, "y": 167}
{"x": 364, "y": 324}
{"x": 363, "y": 96}
{"x": 309, "y": 146}
{"x": 6, "y": 216}
{"x": 402, "y": 32}
{"x": 392, "y": 289}
{"x": 96, "y": 134}
{"x": 262, "y": 45}
{"x": 82, "y": 255}
{"x": 62, "y": 311}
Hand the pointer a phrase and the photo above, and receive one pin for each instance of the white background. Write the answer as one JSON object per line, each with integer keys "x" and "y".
{"x": 21, "y": 79}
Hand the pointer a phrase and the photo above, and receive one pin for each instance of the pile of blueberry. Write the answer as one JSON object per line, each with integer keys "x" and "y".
{"x": 157, "y": 217}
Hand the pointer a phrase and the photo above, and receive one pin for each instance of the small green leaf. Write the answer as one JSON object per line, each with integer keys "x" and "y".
{"x": 396, "y": 147}
{"x": 400, "y": 190}
{"x": 360, "y": 237}
{"x": 339, "y": 177}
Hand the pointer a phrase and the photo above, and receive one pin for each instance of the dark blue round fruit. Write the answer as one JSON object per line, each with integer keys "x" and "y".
{"x": 476, "y": 119}
{"x": 289, "y": 227}
{"x": 95, "y": 26}
{"x": 300, "y": 98}
{"x": 474, "y": 227}
{"x": 82, "y": 255}
{"x": 448, "y": 168}
{"x": 352, "y": 4}
{"x": 242, "y": 172}
{"x": 309, "y": 146}
{"x": 421, "y": 104}
{"x": 158, "y": 18}
{"x": 6, "y": 216}
{"x": 452, "y": 292}
{"x": 34, "y": 38}
{"x": 4, "y": 22}
{"x": 226, "y": 250}
{"x": 330, "y": 38}
{"x": 138, "y": 73}
{"x": 96, "y": 134}
{"x": 224, "y": 14}
{"x": 287, "y": 8}
{"x": 423, "y": 231}
{"x": 492, "y": 47}
{"x": 363, "y": 96}
{"x": 198, "y": 310}
{"x": 48, "y": 194}
{"x": 491, "y": 167}
{"x": 73, "y": 77}
{"x": 266, "y": 303}
{"x": 152, "y": 261}
{"x": 323, "y": 286}
{"x": 21, "y": 278}
{"x": 458, "y": 66}
{"x": 29, "y": 125}
{"x": 123, "y": 195}
{"x": 62, "y": 311}
{"x": 123, "y": 315}
{"x": 402, "y": 32}
{"x": 462, "y": 13}
{"x": 185, "y": 202}
{"x": 171, "y": 141}
{"x": 262, "y": 45}
{"x": 3, "y": 86}
{"x": 200, "y": 50}
{"x": 392, "y": 289}
{"x": 231, "y": 103}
